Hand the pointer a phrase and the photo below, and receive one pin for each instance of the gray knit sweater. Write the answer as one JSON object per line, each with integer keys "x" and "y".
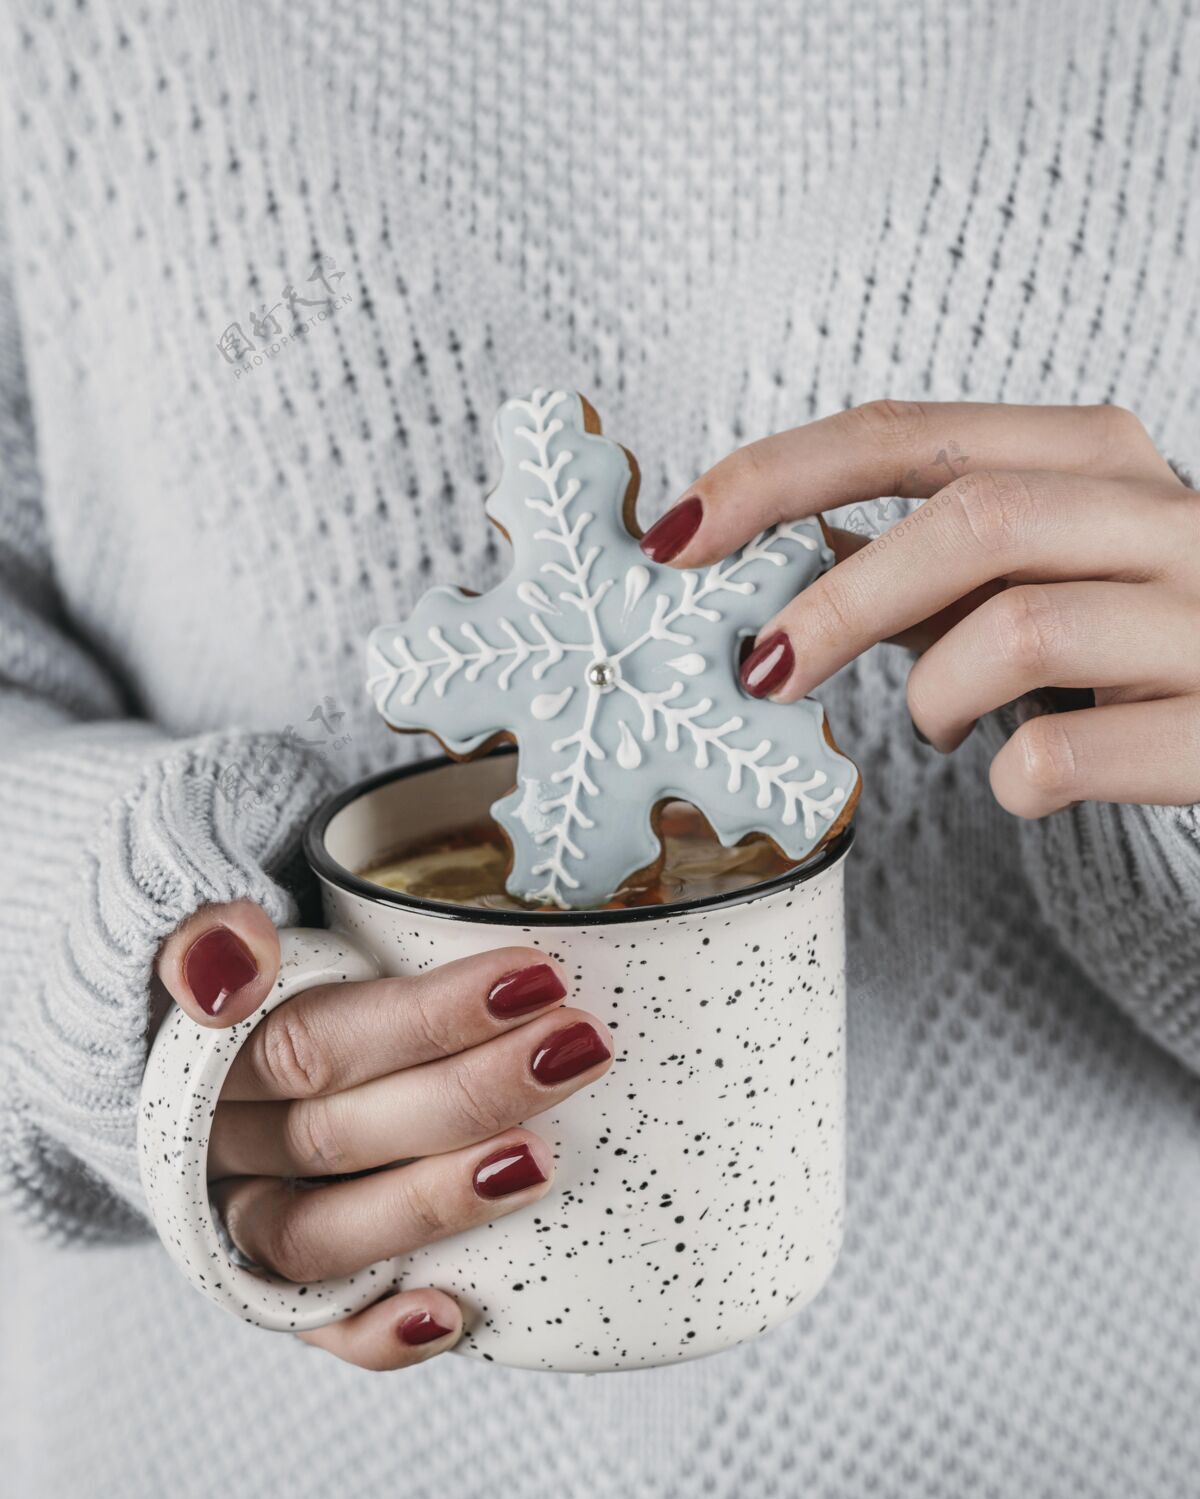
{"x": 719, "y": 220}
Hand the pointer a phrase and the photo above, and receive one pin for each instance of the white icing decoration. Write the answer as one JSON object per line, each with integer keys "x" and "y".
{"x": 535, "y": 596}
{"x": 546, "y": 652}
{"x": 637, "y": 580}
{"x": 550, "y": 704}
{"x": 629, "y": 754}
{"x": 565, "y": 631}
{"x": 575, "y": 572}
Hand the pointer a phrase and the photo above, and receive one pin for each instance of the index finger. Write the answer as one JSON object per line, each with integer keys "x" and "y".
{"x": 905, "y": 448}
{"x": 336, "y": 1036}
{"x": 985, "y": 529}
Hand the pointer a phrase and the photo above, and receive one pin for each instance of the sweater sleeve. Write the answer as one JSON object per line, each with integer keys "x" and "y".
{"x": 111, "y": 832}
{"x": 1119, "y": 885}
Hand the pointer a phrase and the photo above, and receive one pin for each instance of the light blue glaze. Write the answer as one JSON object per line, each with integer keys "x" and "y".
{"x": 616, "y": 675}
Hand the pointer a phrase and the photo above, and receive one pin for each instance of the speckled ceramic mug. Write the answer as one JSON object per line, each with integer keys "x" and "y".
{"x": 699, "y": 1185}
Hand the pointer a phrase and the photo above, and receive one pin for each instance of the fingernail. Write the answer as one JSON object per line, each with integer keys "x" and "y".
{"x": 510, "y": 1170}
{"x": 216, "y": 966}
{"x": 569, "y": 1052}
{"x": 768, "y": 665}
{"x": 921, "y": 738}
{"x": 421, "y": 1328}
{"x": 667, "y": 537}
{"x": 526, "y": 989}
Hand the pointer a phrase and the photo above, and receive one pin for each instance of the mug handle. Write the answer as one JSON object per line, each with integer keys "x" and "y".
{"x": 183, "y": 1079}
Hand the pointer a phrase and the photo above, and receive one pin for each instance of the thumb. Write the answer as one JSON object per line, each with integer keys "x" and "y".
{"x": 221, "y": 963}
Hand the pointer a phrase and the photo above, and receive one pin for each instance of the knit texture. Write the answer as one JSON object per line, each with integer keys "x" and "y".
{"x": 717, "y": 220}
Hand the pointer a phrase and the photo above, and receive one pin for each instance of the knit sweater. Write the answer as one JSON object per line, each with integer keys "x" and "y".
{"x": 718, "y": 220}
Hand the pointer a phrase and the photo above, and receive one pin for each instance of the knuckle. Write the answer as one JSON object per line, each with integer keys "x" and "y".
{"x": 891, "y": 425}
{"x": 471, "y": 1103}
{"x": 1046, "y": 758}
{"x": 829, "y": 611}
{"x": 752, "y": 460}
{"x": 1181, "y": 524}
{"x": 435, "y": 1028}
{"x": 1119, "y": 431}
{"x": 751, "y": 471}
{"x": 312, "y": 1138}
{"x": 287, "y": 1057}
{"x": 290, "y": 1249}
{"x": 997, "y": 508}
{"x": 420, "y": 1209}
{"x": 1027, "y": 627}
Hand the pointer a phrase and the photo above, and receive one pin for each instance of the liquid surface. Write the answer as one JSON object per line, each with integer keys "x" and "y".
{"x": 469, "y": 867}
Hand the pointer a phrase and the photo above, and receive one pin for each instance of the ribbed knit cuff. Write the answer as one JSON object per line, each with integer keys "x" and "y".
{"x": 210, "y": 820}
{"x": 1120, "y": 887}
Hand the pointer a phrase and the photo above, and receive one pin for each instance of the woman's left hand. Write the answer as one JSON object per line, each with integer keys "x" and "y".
{"x": 1062, "y": 552}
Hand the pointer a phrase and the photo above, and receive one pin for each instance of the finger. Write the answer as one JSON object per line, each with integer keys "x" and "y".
{"x": 893, "y": 448}
{"x": 315, "y": 1233}
{"x": 1023, "y": 527}
{"x": 1125, "y": 752}
{"x": 399, "y": 1331}
{"x": 394, "y": 1333}
{"x": 336, "y": 1036}
{"x": 919, "y": 637}
{"x": 1054, "y": 635}
{"x": 420, "y": 1111}
{"x": 220, "y": 964}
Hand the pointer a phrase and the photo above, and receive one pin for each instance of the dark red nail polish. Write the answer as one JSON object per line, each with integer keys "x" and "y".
{"x": 569, "y": 1052}
{"x": 509, "y": 1170}
{"x": 527, "y": 989}
{"x": 768, "y": 665}
{"x": 216, "y": 966}
{"x": 667, "y": 537}
{"x": 421, "y": 1328}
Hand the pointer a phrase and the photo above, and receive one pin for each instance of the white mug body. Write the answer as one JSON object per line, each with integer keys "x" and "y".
{"x": 699, "y": 1185}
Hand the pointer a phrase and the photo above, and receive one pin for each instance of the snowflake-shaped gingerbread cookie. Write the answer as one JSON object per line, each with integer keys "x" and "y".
{"x": 617, "y": 677}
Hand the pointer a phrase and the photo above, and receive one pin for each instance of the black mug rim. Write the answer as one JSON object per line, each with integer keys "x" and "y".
{"x": 327, "y": 868}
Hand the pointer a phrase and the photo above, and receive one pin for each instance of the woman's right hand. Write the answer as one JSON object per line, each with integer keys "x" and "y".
{"x": 436, "y": 1071}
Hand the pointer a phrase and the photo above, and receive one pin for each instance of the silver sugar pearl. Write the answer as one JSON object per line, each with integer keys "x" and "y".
{"x": 602, "y": 674}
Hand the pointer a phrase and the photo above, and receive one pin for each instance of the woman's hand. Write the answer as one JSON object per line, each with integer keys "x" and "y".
{"x": 1063, "y": 553}
{"x": 436, "y": 1071}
